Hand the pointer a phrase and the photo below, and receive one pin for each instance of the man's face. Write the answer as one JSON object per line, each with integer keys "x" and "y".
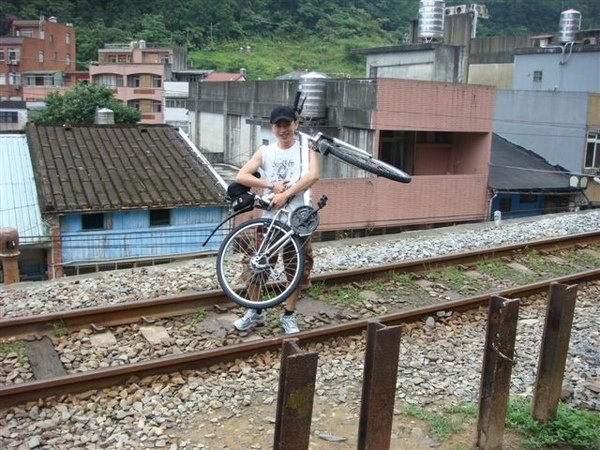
{"x": 284, "y": 132}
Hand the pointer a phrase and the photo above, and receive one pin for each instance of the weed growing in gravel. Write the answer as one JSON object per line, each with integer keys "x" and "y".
{"x": 577, "y": 429}
{"x": 406, "y": 286}
{"x": 59, "y": 329}
{"x": 458, "y": 281}
{"x": 316, "y": 289}
{"x": 501, "y": 271}
{"x": 441, "y": 424}
{"x": 377, "y": 286}
{"x": 542, "y": 265}
{"x": 344, "y": 295}
{"x": 17, "y": 347}
{"x": 582, "y": 258}
{"x": 197, "y": 317}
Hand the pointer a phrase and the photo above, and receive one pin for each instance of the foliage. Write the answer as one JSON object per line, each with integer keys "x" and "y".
{"x": 78, "y": 105}
{"x": 576, "y": 429}
{"x": 205, "y": 25}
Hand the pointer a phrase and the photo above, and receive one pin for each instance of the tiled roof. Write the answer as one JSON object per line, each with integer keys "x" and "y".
{"x": 114, "y": 167}
{"x": 516, "y": 169}
{"x": 18, "y": 198}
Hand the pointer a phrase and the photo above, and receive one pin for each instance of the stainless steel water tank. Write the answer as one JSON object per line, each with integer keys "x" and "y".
{"x": 313, "y": 87}
{"x": 569, "y": 25}
{"x": 104, "y": 116}
{"x": 431, "y": 20}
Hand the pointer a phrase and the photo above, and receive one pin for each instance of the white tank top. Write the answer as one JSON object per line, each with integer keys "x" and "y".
{"x": 285, "y": 164}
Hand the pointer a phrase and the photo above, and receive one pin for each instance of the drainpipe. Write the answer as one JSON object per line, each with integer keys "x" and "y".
{"x": 490, "y": 207}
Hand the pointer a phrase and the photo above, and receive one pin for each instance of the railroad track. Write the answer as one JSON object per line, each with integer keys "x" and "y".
{"x": 79, "y": 382}
{"x": 168, "y": 306}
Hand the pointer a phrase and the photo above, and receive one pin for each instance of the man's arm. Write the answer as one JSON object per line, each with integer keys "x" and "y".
{"x": 246, "y": 177}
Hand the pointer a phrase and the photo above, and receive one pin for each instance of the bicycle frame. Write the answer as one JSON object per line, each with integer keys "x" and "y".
{"x": 279, "y": 243}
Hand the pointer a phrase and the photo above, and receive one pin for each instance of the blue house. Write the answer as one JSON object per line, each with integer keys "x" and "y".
{"x": 120, "y": 196}
{"x": 522, "y": 183}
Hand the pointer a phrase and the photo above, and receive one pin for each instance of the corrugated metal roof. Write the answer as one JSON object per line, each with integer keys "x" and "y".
{"x": 19, "y": 206}
{"x": 514, "y": 168}
{"x": 112, "y": 167}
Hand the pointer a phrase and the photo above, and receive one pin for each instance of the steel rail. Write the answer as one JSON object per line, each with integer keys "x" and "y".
{"x": 11, "y": 395}
{"x": 169, "y": 306}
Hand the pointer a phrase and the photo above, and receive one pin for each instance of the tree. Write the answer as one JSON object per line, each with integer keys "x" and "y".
{"x": 78, "y": 106}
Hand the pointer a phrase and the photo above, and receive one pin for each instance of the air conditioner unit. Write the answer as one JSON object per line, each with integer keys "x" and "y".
{"x": 460, "y": 9}
{"x": 13, "y": 62}
{"x": 592, "y": 40}
{"x": 481, "y": 10}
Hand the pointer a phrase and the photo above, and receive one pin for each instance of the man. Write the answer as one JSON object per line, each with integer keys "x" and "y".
{"x": 282, "y": 162}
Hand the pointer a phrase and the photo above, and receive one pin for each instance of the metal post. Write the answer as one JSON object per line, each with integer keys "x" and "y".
{"x": 9, "y": 254}
{"x": 553, "y": 354}
{"x": 495, "y": 375}
{"x": 295, "y": 397}
{"x": 379, "y": 387}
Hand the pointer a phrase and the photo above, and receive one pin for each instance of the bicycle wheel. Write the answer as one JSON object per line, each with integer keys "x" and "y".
{"x": 366, "y": 162}
{"x": 260, "y": 280}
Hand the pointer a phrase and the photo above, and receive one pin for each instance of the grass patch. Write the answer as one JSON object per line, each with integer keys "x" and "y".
{"x": 17, "y": 347}
{"x": 316, "y": 289}
{"x": 59, "y": 329}
{"x": 197, "y": 317}
{"x": 344, "y": 295}
{"x": 442, "y": 424}
{"x": 405, "y": 286}
{"x": 582, "y": 258}
{"x": 577, "y": 429}
{"x": 458, "y": 281}
{"x": 542, "y": 265}
{"x": 501, "y": 271}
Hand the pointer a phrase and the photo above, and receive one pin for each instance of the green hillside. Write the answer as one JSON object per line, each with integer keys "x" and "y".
{"x": 275, "y": 36}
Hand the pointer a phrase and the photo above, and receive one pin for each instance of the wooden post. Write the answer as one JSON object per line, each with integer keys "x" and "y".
{"x": 553, "y": 353}
{"x": 9, "y": 253}
{"x": 496, "y": 371}
{"x": 295, "y": 397}
{"x": 379, "y": 387}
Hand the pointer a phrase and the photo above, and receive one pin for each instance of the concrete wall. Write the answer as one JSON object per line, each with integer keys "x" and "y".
{"x": 575, "y": 70}
{"x": 498, "y": 75}
{"x": 552, "y": 124}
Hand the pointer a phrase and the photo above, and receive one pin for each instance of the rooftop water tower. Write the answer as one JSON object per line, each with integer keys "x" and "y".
{"x": 569, "y": 25}
{"x": 431, "y": 20}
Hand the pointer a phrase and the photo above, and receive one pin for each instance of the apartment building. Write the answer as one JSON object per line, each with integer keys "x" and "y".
{"x": 38, "y": 57}
{"x": 136, "y": 73}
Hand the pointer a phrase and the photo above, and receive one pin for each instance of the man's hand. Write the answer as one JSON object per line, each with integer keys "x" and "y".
{"x": 279, "y": 186}
{"x": 278, "y": 200}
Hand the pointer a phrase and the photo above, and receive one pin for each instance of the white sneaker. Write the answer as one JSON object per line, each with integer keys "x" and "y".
{"x": 289, "y": 324}
{"x": 249, "y": 320}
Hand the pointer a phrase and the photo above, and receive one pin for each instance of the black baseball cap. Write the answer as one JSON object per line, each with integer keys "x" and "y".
{"x": 283, "y": 113}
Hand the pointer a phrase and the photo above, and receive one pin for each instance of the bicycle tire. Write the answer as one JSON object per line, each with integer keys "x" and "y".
{"x": 368, "y": 163}
{"x": 239, "y": 278}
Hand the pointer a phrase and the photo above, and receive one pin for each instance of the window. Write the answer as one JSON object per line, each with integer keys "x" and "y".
{"x": 133, "y": 81}
{"x": 434, "y": 137}
{"x": 160, "y": 217}
{"x": 13, "y": 55}
{"x": 537, "y": 76}
{"x": 68, "y": 58}
{"x": 592, "y": 153}
{"x": 1, "y": 54}
{"x": 119, "y": 80}
{"x": 9, "y": 117}
{"x": 92, "y": 221}
{"x": 134, "y": 104}
{"x": 14, "y": 79}
{"x": 25, "y": 32}
{"x": 175, "y": 103}
{"x": 68, "y": 38}
{"x": 156, "y": 106}
{"x": 41, "y": 56}
{"x": 51, "y": 38}
{"x": 55, "y": 56}
{"x": 156, "y": 81}
{"x": 394, "y": 150}
{"x": 2, "y": 79}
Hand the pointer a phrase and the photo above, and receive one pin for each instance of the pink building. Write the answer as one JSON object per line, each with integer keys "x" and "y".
{"x": 136, "y": 74}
